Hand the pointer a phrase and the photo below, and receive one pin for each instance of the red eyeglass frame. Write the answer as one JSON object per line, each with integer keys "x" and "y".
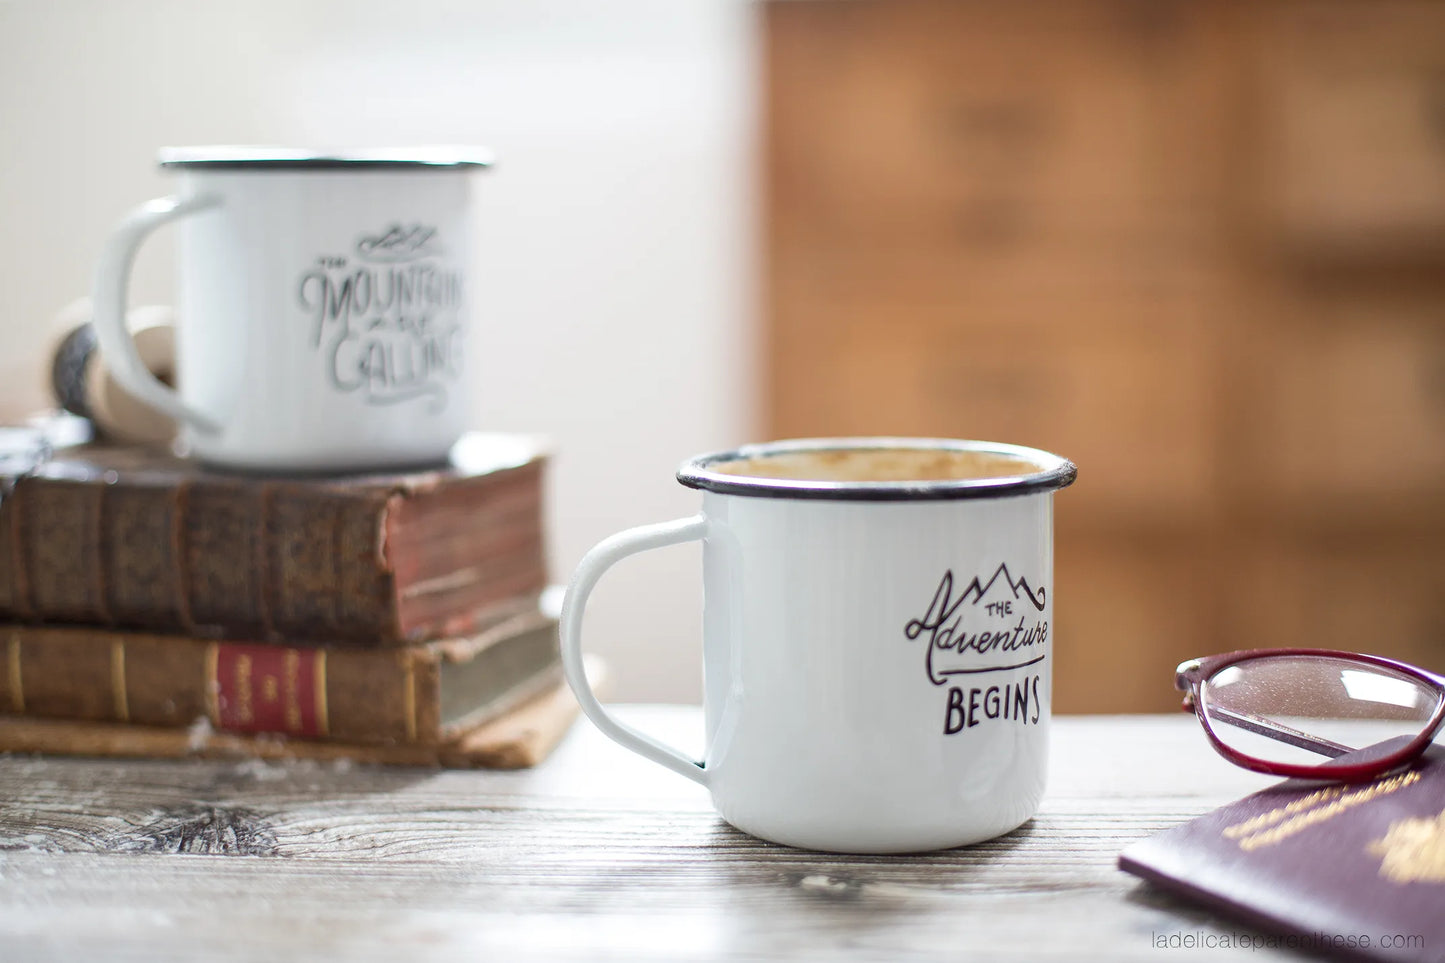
{"x": 1192, "y": 674}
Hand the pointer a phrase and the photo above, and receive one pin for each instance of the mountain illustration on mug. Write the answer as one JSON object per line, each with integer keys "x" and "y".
{"x": 993, "y": 625}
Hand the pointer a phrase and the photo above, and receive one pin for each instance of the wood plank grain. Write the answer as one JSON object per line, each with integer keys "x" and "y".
{"x": 595, "y": 854}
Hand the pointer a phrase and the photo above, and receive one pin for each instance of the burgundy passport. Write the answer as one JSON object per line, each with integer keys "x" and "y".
{"x": 1355, "y": 869}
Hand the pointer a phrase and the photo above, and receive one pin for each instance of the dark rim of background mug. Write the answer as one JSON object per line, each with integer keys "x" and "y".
{"x": 1053, "y": 472}
{"x": 227, "y": 157}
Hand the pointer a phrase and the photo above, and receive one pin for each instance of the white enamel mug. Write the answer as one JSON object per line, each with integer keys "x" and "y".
{"x": 876, "y": 654}
{"x": 322, "y": 305}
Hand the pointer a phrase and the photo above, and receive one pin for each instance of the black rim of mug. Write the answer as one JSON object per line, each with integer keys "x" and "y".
{"x": 1054, "y": 472}
{"x": 236, "y": 157}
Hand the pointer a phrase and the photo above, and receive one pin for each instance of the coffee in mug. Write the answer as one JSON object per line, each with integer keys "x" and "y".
{"x": 878, "y": 465}
{"x": 322, "y": 304}
{"x": 877, "y": 638}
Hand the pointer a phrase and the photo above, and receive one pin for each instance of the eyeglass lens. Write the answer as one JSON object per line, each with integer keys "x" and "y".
{"x": 1307, "y": 710}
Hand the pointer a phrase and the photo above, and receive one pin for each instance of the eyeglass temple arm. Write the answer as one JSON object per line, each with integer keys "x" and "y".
{"x": 1281, "y": 733}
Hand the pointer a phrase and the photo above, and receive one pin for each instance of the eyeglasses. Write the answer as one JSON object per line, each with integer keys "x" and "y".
{"x": 1297, "y": 712}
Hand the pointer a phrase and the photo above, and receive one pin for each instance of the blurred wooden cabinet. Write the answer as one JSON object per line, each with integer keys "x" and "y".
{"x": 1351, "y": 120}
{"x": 1199, "y": 247}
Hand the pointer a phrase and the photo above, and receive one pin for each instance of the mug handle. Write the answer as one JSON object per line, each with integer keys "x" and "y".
{"x": 602, "y": 557}
{"x": 112, "y": 284}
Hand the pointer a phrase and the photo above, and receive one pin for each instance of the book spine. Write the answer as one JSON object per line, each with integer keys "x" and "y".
{"x": 74, "y": 550}
{"x": 270, "y": 560}
{"x": 520, "y": 740}
{"x": 224, "y": 572}
{"x": 56, "y": 550}
{"x": 13, "y": 594}
{"x": 324, "y": 553}
{"x": 141, "y": 539}
{"x": 377, "y": 697}
{"x": 367, "y": 603}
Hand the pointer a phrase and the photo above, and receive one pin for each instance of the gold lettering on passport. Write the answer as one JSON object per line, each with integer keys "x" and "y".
{"x": 1413, "y": 850}
{"x": 1312, "y": 814}
{"x": 1251, "y": 826}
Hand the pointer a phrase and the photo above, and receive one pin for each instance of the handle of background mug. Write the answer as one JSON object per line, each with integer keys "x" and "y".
{"x": 112, "y": 285}
{"x": 602, "y": 557}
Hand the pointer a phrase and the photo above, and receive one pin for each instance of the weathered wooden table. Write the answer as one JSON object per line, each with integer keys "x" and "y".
{"x": 594, "y": 855}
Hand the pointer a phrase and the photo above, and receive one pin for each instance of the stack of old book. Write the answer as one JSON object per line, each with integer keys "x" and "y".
{"x": 151, "y": 607}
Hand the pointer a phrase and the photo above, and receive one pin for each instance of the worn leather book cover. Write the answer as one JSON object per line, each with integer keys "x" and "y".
{"x": 423, "y": 694}
{"x": 132, "y": 538}
{"x": 1352, "y": 869}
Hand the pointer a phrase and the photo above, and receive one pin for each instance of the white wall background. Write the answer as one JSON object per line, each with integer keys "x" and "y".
{"x": 615, "y": 266}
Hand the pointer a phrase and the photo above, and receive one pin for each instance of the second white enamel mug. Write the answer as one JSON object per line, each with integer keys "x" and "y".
{"x": 323, "y": 305}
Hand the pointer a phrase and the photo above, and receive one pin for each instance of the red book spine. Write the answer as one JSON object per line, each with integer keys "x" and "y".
{"x": 265, "y": 688}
